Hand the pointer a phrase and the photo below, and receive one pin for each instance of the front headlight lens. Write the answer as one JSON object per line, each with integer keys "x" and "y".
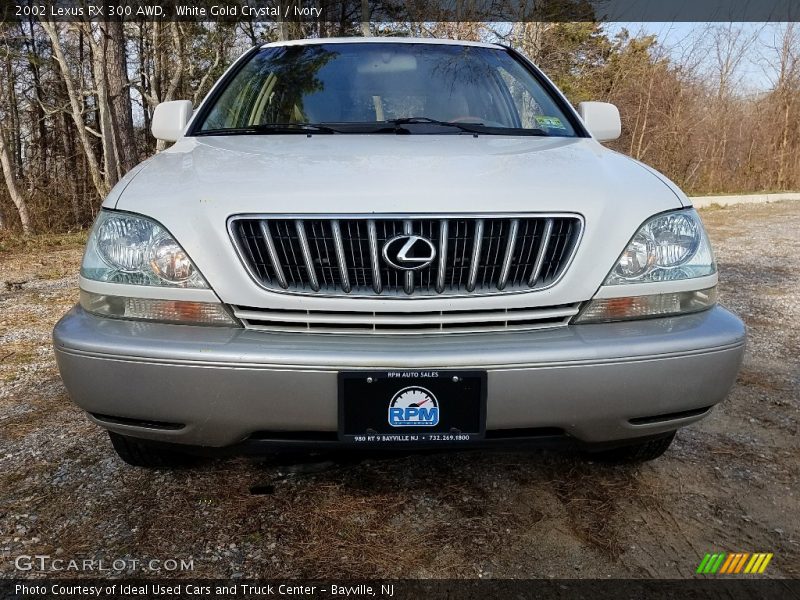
{"x": 667, "y": 247}
{"x": 637, "y": 258}
{"x": 135, "y": 250}
{"x": 169, "y": 261}
{"x": 122, "y": 242}
{"x": 676, "y": 238}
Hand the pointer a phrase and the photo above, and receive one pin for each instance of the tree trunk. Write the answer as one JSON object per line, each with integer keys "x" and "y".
{"x": 11, "y": 184}
{"x": 118, "y": 88}
{"x": 177, "y": 72}
{"x": 143, "y": 81}
{"x": 53, "y": 31}
{"x": 365, "y": 18}
{"x": 107, "y": 131}
{"x": 14, "y": 146}
{"x": 33, "y": 53}
{"x": 67, "y": 144}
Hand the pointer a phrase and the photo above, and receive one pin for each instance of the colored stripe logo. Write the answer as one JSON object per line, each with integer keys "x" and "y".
{"x": 734, "y": 563}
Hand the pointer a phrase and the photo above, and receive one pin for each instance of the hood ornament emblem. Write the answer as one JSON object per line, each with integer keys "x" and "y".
{"x": 409, "y": 252}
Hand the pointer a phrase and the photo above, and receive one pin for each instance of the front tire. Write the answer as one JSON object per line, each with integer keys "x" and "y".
{"x": 637, "y": 452}
{"x": 140, "y": 453}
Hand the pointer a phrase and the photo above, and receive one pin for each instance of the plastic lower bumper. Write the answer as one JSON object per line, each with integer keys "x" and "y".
{"x": 217, "y": 387}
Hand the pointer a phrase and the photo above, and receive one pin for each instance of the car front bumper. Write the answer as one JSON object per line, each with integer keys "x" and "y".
{"x": 209, "y": 386}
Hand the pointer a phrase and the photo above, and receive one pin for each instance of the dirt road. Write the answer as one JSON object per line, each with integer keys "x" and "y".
{"x": 729, "y": 483}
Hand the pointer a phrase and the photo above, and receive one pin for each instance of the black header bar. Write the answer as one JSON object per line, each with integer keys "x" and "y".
{"x": 604, "y": 589}
{"x": 399, "y": 11}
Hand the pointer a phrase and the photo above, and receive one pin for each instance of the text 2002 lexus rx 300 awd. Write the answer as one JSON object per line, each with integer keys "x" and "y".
{"x": 394, "y": 243}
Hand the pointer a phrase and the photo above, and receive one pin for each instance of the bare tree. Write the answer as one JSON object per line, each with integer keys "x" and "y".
{"x": 365, "y": 31}
{"x": 118, "y": 88}
{"x": 729, "y": 46}
{"x": 786, "y": 98}
{"x": 76, "y": 107}
{"x": 72, "y": 123}
{"x": 11, "y": 185}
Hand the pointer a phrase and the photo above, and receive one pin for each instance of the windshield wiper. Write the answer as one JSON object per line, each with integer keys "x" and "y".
{"x": 271, "y": 128}
{"x": 468, "y": 127}
{"x": 407, "y": 120}
{"x": 397, "y": 126}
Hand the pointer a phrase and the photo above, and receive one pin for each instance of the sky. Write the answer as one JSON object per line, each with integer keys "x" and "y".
{"x": 757, "y": 68}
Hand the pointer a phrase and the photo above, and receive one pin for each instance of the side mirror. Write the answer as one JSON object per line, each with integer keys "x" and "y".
{"x": 170, "y": 119}
{"x": 601, "y": 119}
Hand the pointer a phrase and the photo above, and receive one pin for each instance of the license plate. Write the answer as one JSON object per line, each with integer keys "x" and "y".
{"x": 409, "y": 407}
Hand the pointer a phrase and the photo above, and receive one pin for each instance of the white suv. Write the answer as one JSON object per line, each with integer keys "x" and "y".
{"x": 394, "y": 243}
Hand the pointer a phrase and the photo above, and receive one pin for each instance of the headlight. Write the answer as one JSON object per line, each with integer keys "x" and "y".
{"x": 131, "y": 249}
{"x": 667, "y": 247}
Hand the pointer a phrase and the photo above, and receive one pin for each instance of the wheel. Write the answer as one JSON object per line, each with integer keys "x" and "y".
{"x": 140, "y": 453}
{"x": 636, "y": 452}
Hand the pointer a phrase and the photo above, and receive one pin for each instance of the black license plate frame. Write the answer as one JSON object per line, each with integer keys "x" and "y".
{"x": 377, "y": 407}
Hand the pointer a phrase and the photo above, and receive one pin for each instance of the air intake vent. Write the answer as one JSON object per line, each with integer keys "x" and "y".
{"x": 454, "y": 321}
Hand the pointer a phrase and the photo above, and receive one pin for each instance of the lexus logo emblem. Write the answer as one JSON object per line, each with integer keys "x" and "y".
{"x": 409, "y": 252}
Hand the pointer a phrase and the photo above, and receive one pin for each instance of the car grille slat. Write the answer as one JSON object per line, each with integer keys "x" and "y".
{"x": 377, "y": 282}
{"x": 343, "y": 255}
{"x": 541, "y": 255}
{"x": 509, "y": 253}
{"x": 249, "y": 232}
{"x": 474, "y": 262}
{"x": 408, "y": 279}
{"x": 341, "y": 258}
{"x": 307, "y": 257}
{"x": 441, "y": 261}
{"x": 387, "y": 323}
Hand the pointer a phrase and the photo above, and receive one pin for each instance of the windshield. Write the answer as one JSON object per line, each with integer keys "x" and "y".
{"x": 365, "y": 87}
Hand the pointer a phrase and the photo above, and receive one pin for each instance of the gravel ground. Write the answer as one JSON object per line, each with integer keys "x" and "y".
{"x": 729, "y": 483}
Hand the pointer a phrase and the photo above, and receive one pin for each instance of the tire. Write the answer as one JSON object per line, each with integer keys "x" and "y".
{"x": 637, "y": 452}
{"x": 140, "y": 453}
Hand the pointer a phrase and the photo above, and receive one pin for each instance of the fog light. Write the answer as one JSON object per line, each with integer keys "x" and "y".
{"x": 163, "y": 311}
{"x": 603, "y": 310}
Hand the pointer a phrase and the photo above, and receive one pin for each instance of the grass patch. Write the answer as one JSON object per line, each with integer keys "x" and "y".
{"x": 713, "y": 207}
{"x": 759, "y": 378}
{"x": 18, "y": 353}
{"x": 10, "y": 242}
{"x": 740, "y": 193}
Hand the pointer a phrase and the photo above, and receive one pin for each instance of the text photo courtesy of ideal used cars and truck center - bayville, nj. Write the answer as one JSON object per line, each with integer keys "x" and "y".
{"x": 383, "y": 299}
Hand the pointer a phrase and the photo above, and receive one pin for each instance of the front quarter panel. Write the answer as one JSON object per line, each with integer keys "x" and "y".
{"x": 114, "y": 195}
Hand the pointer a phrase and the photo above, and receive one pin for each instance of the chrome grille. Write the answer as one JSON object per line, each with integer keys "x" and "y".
{"x": 449, "y": 321}
{"x": 475, "y": 255}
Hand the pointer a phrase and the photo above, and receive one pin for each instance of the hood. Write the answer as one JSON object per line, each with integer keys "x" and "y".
{"x": 386, "y": 173}
{"x": 195, "y": 186}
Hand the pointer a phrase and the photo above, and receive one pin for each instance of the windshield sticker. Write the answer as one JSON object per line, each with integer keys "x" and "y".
{"x": 550, "y": 122}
